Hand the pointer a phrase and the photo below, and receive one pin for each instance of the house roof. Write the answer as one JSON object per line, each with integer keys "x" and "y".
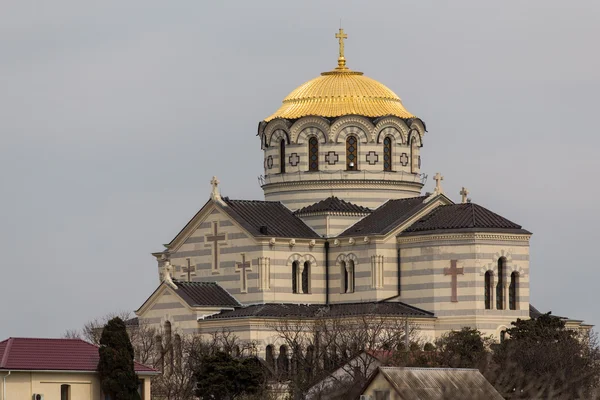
{"x": 278, "y": 219}
{"x": 35, "y": 354}
{"x": 333, "y": 204}
{"x": 204, "y": 294}
{"x": 437, "y": 383}
{"x": 387, "y": 217}
{"x": 463, "y": 216}
{"x": 273, "y": 310}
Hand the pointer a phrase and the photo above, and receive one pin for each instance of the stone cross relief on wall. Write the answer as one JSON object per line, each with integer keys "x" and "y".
{"x": 215, "y": 240}
{"x": 242, "y": 268}
{"x": 453, "y": 271}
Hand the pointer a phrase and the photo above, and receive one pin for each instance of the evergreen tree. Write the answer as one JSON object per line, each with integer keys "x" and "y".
{"x": 223, "y": 377}
{"x": 543, "y": 359}
{"x": 466, "y": 348}
{"x": 117, "y": 375}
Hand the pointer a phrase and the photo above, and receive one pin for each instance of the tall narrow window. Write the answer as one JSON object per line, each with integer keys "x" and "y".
{"x": 295, "y": 277}
{"x": 500, "y": 284}
{"x": 512, "y": 291}
{"x": 270, "y": 357}
{"x": 283, "y": 363}
{"x": 350, "y": 277}
{"x": 387, "y": 154}
{"x": 282, "y": 156}
{"x": 351, "y": 153}
{"x": 488, "y": 290}
{"x": 306, "y": 278}
{"x": 413, "y": 156}
{"x": 313, "y": 154}
{"x": 343, "y": 277}
{"x": 65, "y": 392}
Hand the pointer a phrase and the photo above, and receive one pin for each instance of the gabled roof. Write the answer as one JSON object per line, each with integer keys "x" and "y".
{"x": 387, "y": 217}
{"x": 278, "y": 219}
{"x": 204, "y": 294}
{"x": 196, "y": 294}
{"x": 333, "y": 204}
{"x": 34, "y": 354}
{"x": 273, "y": 310}
{"x": 437, "y": 383}
{"x": 463, "y": 216}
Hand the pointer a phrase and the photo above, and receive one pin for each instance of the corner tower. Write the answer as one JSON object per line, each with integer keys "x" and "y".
{"x": 341, "y": 134}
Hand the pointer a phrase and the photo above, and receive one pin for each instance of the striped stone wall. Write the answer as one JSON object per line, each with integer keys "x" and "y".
{"x": 426, "y": 283}
{"x": 369, "y": 185}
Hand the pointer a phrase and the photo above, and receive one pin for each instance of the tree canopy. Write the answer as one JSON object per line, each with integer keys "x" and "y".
{"x": 117, "y": 375}
{"x": 541, "y": 357}
{"x": 221, "y": 376}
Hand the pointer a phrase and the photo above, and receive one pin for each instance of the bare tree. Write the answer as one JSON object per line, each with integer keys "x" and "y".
{"x": 335, "y": 352}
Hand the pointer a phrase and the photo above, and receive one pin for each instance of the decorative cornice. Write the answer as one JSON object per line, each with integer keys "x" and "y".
{"x": 392, "y": 122}
{"x": 317, "y": 122}
{"x": 344, "y": 183}
{"x": 472, "y": 237}
{"x": 352, "y": 120}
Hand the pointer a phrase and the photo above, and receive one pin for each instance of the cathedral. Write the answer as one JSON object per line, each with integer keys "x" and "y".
{"x": 344, "y": 230}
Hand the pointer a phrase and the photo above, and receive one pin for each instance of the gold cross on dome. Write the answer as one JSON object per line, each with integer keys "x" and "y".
{"x": 341, "y": 36}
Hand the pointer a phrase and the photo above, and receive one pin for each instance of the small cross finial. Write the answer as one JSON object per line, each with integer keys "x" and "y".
{"x": 215, "y": 195}
{"x": 438, "y": 183}
{"x": 464, "y": 193}
{"x": 341, "y": 60}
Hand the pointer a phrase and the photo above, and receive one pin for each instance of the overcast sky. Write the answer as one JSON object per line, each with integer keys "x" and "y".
{"x": 115, "y": 114}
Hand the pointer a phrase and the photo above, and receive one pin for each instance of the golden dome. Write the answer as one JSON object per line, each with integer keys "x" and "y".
{"x": 341, "y": 92}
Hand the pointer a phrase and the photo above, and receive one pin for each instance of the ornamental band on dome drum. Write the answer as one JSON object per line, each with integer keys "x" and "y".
{"x": 344, "y": 228}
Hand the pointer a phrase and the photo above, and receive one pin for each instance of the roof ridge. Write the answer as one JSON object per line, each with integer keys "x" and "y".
{"x": 6, "y": 351}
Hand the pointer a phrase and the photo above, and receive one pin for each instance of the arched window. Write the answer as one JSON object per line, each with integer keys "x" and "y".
{"x": 282, "y": 156}
{"x": 295, "y": 277}
{"x": 387, "y": 154}
{"x": 160, "y": 360}
{"x": 65, "y": 392}
{"x": 347, "y": 277}
{"x": 283, "y": 363}
{"x": 270, "y": 357}
{"x": 306, "y": 278}
{"x": 512, "y": 291}
{"x": 488, "y": 290}
{"x": 343, "y": 277}
{"x": 313, "y": 154}
{"x": 177, "y": 352}
{"x": 414, "y": 158}
{"x": 500, "y": 284}
{"x": 350, "y": 284}
{"x": 351, "y": 153}
{"x": 168, "y": 348}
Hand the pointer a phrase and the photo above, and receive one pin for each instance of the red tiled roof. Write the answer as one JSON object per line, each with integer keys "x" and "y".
{"x": 52, "y": 355}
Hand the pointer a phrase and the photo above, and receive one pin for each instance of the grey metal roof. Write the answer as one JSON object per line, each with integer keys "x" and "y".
{"x": 387, "y": 217}
{"x": 278, "y": 220}
{"x": 274, "y": 310}
{"x": 463, "y": 216}
{"x": 438, "y": 383}
{"x": 333, "y": 204}
{"x": 205, "y": 294}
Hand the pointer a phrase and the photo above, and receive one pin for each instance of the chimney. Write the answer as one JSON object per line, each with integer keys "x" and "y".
{"x": 263, "y": 230}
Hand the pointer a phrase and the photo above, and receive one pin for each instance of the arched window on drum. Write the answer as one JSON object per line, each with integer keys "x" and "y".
{"x": 313, "y": 154}
{"x": 387, "y": 154}
{"x": 351, "y": 153}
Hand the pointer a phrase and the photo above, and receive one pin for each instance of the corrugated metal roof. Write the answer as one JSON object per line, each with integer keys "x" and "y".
{"x": 272, "y": 310}
{"x": 36, "y": 354}
{"x": 387, "y": 217}
{"x": 439, "y": 383}
{"x": 333, "y": 204}
{"x": 208, "y": 294}
{"x": 463, "y": 216}
{"x": 278, "y": 220}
